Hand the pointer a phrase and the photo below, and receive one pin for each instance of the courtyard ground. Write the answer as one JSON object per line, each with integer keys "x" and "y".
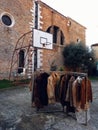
{"x": 17, "y": 113}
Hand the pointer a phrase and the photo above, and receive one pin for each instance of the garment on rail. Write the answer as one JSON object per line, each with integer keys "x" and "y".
{"x": 72, "y": 91}
{"x": 39, "y": 96}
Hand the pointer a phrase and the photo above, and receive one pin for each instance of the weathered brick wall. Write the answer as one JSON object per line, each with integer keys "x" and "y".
{"x": 20, "y": 11}
{"x": 51, "y": 17}
{"x": 76, "y": 31}
{"x": 70, "y": 28}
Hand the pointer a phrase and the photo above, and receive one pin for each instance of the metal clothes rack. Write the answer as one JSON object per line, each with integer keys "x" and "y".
{"x": 73, "y": 74}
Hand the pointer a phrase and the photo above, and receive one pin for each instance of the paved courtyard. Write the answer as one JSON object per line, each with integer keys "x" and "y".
{"x": 16, "y": 113}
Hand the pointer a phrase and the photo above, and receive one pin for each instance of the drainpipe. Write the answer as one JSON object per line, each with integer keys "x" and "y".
{"x": 36, "y": 27}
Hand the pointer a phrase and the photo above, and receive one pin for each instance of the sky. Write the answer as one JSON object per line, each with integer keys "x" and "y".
{"x": 85, "y": 12}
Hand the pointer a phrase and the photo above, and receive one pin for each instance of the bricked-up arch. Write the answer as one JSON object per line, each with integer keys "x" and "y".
{"x": 58, "y": 36}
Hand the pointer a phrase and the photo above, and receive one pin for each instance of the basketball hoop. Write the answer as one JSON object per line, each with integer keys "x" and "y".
{"x": 42, "y": 39}
{"x": 43, "y": 44}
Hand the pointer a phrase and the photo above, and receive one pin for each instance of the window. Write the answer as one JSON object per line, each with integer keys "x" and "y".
{"x": 7, "y": 19}
{"x": 21, "y": 61}
{"x": 21, "y": 58}
{"x": 58, "y": 36}
{"x": 55, "y": 34}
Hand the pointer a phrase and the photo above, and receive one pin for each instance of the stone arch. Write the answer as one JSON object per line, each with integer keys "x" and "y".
{"x": 58, "y": 36}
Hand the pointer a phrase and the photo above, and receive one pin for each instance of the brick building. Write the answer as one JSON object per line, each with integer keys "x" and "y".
{"x": 17, "y": 19}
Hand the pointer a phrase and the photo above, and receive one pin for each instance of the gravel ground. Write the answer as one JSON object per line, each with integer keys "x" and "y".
{"x": 17, "y": 113}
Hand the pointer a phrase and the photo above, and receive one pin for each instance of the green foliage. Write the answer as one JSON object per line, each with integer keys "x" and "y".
{"x": 93, "y": 78}
{"x": 61, "y": 68}
{"x": 78, "y": 56}
{"x": 5, "y": 83}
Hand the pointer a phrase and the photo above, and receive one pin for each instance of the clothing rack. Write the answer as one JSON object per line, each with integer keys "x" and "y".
{"x": 63, "y": 72}
{"x": 69, "y": 73}
{"x": 76, "y": 74}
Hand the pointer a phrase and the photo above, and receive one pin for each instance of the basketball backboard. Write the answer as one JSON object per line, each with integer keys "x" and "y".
{"x": 42, "y": 39}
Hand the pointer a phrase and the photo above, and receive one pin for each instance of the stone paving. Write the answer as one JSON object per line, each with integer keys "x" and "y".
{"x": 16, "y": 113}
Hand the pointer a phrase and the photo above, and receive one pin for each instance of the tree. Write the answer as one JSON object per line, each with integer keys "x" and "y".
{"x": 78, "y": 57}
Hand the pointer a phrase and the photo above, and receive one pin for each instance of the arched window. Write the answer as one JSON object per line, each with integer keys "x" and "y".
{"x": 58, "y": 36}
{"x": 55, "y": 31}
{"x": 21, "y": 61}
{"x": 62, "y": 38}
